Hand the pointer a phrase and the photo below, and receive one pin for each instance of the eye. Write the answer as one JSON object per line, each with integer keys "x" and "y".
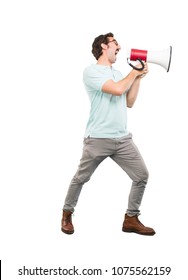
{"x": 113, "y": 41}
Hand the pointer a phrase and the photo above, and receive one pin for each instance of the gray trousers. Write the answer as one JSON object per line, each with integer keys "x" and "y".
{"x": 125, "y": 153}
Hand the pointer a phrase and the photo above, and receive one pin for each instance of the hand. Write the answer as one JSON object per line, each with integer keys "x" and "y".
{"x": 142, "y": 73}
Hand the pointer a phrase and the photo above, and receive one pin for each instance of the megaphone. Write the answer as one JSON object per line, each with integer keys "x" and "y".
{"x": 162, "y": 58}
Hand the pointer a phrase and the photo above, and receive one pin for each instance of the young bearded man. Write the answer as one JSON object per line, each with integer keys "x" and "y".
{"x": 106, "y": 132}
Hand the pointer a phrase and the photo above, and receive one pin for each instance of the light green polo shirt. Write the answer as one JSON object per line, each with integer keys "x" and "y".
{"x": 108, "y": 113}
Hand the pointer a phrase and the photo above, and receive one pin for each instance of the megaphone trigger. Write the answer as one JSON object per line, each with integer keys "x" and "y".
{"x": 134, "y": 67}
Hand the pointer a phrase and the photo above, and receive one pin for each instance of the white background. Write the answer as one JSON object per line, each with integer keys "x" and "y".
{"x": 45, "y": 46}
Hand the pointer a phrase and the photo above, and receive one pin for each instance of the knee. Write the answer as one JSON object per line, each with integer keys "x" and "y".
{"x": 144, "y": 176}
{"x": 141, "y": 176}
{"x": 81, "y": 178}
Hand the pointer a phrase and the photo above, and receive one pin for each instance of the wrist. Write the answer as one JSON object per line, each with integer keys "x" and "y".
{"x": 135, "y": 73}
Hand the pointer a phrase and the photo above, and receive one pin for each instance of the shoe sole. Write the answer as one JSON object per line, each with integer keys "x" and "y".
{"x": 141, "y": 233}
{"x": 67, "y": 232}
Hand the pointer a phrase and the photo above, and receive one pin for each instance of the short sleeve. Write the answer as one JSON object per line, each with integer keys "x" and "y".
{"x": 95, "y": 77}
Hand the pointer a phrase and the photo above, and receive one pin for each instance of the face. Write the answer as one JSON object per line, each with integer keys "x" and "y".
{"x": 113, "y": 49}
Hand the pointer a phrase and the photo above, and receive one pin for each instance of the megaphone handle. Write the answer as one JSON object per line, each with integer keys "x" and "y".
{"x": 134, "y": 67}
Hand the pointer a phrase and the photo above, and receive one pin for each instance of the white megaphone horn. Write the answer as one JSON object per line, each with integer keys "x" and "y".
{"x": 162, "y": 58}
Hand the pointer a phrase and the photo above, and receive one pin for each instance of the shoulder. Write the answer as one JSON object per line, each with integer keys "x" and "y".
{"x": 95, "y": 75}
{"x": 88, "y": 69}
{"x": 96, "y": 69}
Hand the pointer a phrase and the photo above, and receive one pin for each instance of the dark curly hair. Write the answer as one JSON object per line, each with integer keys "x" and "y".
{"x": 96, "y": 46}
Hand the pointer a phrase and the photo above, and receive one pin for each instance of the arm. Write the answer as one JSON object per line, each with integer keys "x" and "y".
{"x": 134, "y": 89}
{"x": 118, "y": 88}
{"x": 133, "y": 92}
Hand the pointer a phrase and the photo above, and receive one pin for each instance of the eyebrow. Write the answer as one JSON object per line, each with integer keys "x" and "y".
{"x": 114, "y": 40}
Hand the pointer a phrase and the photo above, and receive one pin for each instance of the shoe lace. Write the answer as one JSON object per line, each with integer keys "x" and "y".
{"x": 69, "y": 219}
{"x": 139, "y": 221}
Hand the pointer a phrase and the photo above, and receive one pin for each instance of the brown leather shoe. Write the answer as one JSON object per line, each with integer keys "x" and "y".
{"x": 66, "y": 223}
{"x": 132, "y": 224}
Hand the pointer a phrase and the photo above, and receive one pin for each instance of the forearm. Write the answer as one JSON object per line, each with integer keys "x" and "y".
{"x": 120, "y": 87}
{"x": 126, "y": 83}
{"x": 133, "y": 92}
{"x": 130, "y": 83}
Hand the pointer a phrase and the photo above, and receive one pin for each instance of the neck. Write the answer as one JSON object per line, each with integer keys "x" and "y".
{"x": 104, "y": 61}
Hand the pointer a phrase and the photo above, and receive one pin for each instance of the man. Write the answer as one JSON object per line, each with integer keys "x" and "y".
{"x": 106, "y": 132}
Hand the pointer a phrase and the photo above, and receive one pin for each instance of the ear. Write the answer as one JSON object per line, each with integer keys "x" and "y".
{"x": 104, "y": 46}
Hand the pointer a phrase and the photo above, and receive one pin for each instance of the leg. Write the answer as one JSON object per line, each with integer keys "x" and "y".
{"x": 130, "y": 160}
{"x": 92, "y": 156}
